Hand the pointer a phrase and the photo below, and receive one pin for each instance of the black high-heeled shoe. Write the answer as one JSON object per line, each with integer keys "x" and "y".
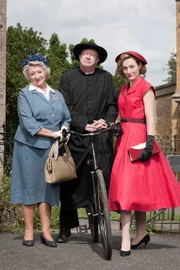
{"x": 144, "y": 240}
{"x": 28, "y": 243}
{"x": 47, "y": 242}
{"x": 125, "y": 253}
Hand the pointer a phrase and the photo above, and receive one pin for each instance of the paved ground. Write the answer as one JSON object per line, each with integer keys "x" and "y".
{"x": 163, "y": 252}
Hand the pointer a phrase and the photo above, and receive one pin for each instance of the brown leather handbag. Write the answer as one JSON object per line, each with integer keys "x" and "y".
{"x": 59, "y": 168}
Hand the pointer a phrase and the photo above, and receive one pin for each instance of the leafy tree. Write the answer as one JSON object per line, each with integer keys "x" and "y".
{"x": 20, "y": 43}
{"x": 74, "y": 61}
{"x": 171, "y": 69}
{"x": 57, "y": 54}
{"x": 118, "y": 81}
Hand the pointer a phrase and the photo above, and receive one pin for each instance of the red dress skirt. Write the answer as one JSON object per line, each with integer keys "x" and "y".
{"x": 139, "y": 186}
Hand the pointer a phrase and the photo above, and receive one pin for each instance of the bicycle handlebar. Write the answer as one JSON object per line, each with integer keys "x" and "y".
{"x": 90, "y": 134}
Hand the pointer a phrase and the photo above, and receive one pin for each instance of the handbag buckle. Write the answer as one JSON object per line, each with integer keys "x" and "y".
{"x": 49, "y": 165}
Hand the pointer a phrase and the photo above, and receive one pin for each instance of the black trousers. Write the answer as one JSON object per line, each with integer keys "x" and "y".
{"x": 68, "y": 218}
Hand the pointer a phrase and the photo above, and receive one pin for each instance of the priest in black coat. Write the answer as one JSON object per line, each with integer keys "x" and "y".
{"x": 92, "y": 101}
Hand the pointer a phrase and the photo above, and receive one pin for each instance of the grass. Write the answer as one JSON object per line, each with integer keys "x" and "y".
{"x": 82, "y": 214}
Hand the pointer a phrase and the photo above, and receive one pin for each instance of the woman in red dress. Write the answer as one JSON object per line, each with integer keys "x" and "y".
{"x": 148, "y": 183}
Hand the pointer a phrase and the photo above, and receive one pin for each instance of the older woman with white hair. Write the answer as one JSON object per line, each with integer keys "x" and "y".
{"x": 43, "y": 115}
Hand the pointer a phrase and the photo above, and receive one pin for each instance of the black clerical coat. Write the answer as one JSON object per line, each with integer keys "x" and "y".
{"x": 89, "y": 97}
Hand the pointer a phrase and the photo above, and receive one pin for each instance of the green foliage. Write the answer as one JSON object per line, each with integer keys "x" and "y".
{"x": 57, "y": 54}
{"x": 10, "y": 215}
{"x": 118, "y": 82}
{"x": 171, "y": 69}
{"x": 11, "y": 218}
{"x": 82, "y": 213}
{"x": 114, "y": 216}
{"x": 55, "y": 218}
{"x": 20, "y": 43}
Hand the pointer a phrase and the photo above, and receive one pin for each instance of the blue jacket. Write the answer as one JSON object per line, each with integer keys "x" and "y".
{"x": 36, "y": 112}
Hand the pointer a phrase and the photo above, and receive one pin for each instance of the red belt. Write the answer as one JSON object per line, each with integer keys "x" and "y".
{"x": 133, "y": 120}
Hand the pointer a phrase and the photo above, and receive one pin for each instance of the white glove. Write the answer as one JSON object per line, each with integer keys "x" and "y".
{"x": 67, "y": 134}
{"x": 58, "y": 134}
{"x": 64, "y": 127}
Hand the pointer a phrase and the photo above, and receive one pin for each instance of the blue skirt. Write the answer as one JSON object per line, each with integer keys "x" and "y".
{"x": 28, "y": 185}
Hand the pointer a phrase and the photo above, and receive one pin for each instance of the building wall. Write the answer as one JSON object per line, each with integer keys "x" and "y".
{"x": 166, "y": 110}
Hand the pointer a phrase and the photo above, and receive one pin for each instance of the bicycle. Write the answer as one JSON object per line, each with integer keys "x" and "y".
{"x": 97, "y": 211}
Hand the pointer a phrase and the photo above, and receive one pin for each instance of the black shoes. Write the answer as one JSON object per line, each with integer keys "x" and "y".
{"x": 63, "y": 235}
{"x": 125, "y": 253}
{"x": 144, "y": 240}
{"x": 28, "y": 243}
{"x": 46, "y": 242}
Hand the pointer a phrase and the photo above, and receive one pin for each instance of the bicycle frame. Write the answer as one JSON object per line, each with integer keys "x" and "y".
{"x": 94, "y": 162}
{"x": 99, "y": 207}
{"x": 93, "y": 155}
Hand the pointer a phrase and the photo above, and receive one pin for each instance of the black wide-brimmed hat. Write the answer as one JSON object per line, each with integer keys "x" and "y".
{"x": 90, "y": 45}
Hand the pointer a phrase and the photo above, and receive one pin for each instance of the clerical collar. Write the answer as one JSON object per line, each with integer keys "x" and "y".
{"x": 87, "y": 73}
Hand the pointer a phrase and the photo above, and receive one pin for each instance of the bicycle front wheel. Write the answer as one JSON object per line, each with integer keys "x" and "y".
{"x": 104, "y": 218}
{"x": 93, "y": 222}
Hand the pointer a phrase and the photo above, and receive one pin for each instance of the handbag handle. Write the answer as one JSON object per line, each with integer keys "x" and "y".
{"x": 54, "y": 149}
{"x": 67, "y": 150}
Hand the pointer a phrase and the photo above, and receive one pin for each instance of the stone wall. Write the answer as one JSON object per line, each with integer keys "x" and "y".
{"x": 166, "y": 110}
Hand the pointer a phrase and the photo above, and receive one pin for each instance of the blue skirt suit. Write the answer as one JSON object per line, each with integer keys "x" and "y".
{"x": 30, "y": 152}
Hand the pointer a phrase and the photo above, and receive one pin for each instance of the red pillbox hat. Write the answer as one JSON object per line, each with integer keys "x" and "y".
{"x": 133, "y": 53}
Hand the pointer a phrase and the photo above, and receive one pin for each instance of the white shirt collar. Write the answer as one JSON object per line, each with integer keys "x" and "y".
{"x": 87, "y": 73}
{"x": 33, "y": 87}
